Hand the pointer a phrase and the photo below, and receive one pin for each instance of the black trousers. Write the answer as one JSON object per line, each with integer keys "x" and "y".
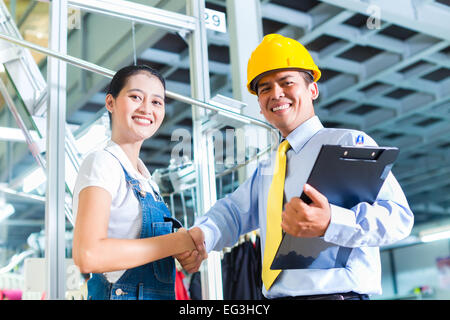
{"x": 333, "y": 296}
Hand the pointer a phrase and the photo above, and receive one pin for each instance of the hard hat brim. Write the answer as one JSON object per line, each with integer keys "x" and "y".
{"x": 252, "y": 87}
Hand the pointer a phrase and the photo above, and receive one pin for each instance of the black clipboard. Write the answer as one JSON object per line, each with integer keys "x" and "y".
{"x": 346, "y": 176}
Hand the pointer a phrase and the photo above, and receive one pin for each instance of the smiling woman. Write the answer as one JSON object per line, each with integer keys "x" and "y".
{"x": 124, "y": 233}
{"x": 138, "y": 109}
{"x": 137, "y": 88}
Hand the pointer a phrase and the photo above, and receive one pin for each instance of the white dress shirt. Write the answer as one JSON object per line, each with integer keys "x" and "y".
{"x": 364, "y": 227}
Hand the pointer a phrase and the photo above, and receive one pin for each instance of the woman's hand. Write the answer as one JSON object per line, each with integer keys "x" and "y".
{"x": 191, "y": 260}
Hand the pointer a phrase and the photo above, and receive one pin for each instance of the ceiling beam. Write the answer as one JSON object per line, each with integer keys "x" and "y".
{"x": 424, "y": 17}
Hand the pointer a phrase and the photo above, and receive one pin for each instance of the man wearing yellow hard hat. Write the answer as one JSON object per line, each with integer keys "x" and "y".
{"x": 283, "y": 75}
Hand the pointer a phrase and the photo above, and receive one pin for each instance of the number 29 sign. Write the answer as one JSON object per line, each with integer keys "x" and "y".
{"x": 215, "y": 20}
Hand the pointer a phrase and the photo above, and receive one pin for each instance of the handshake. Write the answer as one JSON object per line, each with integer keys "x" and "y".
{"x": 191, "y": 259}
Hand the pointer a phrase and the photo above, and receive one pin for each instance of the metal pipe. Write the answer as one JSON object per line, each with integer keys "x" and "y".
{"x": 27, "y": 196}
{"x": 140, "y": 13}
{"x": 16, "y": 260}
{"x": 29, "y": 139}
{"x": 55, "y": 270}
{"x": 183, "y": 206}
{"x": 393, "y": 271}
{"x": 64, "y": 57}
{"x": 26, "y": 13}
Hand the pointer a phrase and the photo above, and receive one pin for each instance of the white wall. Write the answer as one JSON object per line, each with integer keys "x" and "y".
{"x": 415, "y": 267}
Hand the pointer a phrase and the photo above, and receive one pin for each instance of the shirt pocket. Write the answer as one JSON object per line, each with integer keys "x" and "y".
{"x": 164, "y": 269}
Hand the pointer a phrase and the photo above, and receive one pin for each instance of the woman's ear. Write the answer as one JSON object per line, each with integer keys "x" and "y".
{"x": 109, "y": 102}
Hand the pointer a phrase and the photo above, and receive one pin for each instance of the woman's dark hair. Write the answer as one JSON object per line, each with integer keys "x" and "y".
{"x": 120, "y": 78}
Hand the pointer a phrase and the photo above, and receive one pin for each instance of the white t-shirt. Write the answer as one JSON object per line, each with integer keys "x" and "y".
{"x": 102, "y": 169}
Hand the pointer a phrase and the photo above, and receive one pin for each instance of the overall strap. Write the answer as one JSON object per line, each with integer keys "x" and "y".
{"x": 127, "y": 176}
{"x": 134, "y": 183}
{"x": 146, "y": 200}
{"x": 162, "y": 214}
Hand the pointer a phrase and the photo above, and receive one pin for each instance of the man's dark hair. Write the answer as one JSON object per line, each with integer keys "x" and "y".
{"x": 306, "y": 75}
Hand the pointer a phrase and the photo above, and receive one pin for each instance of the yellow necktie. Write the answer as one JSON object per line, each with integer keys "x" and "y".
{"x": 274, "y": 209}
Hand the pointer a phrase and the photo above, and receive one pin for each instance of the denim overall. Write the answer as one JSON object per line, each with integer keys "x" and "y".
{"x": 152, "y": 281}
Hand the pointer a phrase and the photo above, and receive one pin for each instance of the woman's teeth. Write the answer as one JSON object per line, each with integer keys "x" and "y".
{"x": 143, "y": 121}
{"x": 284, "y": 106}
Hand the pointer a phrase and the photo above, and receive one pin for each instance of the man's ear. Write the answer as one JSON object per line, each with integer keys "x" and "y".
{"x": 314, "y": 89}
{"x": 260, "y": 108}
{"x": 109, "y": 103}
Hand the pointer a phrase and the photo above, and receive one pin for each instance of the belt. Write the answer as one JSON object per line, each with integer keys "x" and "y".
{"x": 332, "y": 296}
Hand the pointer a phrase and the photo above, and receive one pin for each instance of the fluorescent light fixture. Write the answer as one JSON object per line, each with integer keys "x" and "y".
{"x": 435, "y": 234}
{"x": 34, "y": 180}
{"x": 16, "y": 135}
{"x": 5, "y": 211}
{"x": 37, "y": 177}
{"x": 93, "y": 138}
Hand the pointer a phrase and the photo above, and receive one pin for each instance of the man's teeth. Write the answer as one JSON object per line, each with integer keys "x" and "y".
{"x": 143, "y": 121}
{"x": 284, "y": 106}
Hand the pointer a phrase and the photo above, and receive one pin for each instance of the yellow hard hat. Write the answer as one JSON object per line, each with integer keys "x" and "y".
{"x": 278, "y": 52}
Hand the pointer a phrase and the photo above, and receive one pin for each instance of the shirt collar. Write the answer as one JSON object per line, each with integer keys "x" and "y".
{"x": 301, "y": 135}
{"x": 117, "y": 151}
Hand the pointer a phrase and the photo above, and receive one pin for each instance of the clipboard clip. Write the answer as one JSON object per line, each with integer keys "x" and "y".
{"x": 360, "y": 154}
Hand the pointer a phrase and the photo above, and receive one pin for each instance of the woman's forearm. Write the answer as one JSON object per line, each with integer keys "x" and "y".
{"x": 119, "y": 254}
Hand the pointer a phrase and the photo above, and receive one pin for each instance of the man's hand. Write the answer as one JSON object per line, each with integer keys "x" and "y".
{"x": 302, "y": 220}
{"x": 191, "y": 260}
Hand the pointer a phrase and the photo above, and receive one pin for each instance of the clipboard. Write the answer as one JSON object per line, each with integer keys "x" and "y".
{"x": 346, "y": 175}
